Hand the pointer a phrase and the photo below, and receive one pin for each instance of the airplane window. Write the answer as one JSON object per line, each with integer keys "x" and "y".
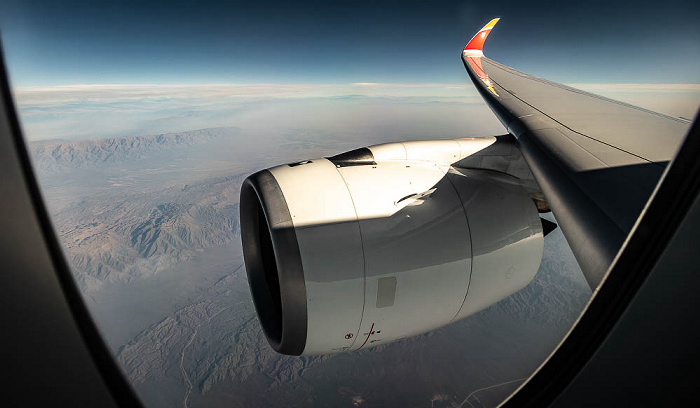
{"x": 145, "y": 121}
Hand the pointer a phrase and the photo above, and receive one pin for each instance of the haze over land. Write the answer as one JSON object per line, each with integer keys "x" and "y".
{"x": 97, "y": 111}
{"x": 150, "y": 226}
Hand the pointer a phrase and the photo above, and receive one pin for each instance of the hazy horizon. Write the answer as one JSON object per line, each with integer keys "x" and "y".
{"x": 78, "y": 112}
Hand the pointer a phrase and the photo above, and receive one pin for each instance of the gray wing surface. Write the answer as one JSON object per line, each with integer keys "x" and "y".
{"x": 596, "y": 160}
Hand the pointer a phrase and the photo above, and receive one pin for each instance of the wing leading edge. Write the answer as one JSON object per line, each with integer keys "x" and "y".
{"x": 596, "y": 160}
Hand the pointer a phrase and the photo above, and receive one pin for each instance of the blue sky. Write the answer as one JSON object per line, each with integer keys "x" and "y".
{"x": 296, "y": 42}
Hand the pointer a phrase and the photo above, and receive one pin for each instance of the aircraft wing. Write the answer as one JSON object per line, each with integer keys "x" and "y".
{"x": 596, "y": 160}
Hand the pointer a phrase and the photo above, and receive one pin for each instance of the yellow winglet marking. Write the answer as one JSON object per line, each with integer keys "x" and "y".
{"x": 491, "y": 24}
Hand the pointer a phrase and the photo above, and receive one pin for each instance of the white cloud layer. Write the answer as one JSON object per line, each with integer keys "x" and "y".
{"x": 92, "y": 111}
{"x": 89, "y": 111}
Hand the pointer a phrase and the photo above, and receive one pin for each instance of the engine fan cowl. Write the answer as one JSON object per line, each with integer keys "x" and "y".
{"x": 348, "y": 252}
{"x": 314, "y": 256}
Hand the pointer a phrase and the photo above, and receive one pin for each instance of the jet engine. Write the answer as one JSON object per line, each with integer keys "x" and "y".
{"x": 381, "y": 243}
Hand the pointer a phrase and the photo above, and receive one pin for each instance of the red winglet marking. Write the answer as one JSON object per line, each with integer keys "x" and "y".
{"x": 477, "y": 42}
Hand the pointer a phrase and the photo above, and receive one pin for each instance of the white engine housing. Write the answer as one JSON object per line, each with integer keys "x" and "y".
{"x": 382, "y": 243}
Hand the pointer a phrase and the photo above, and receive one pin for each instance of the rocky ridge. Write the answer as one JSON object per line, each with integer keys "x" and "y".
{"x": 55, "y": 156}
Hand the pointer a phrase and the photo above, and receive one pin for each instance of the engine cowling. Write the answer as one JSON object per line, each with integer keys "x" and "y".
{"x": 382, "y": 243}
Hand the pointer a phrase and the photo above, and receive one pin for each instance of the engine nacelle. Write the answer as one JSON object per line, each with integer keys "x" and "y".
{"x": 382, "y": 243}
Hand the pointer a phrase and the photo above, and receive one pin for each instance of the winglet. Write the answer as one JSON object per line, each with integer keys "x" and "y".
{"x": 476, "y": 45}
